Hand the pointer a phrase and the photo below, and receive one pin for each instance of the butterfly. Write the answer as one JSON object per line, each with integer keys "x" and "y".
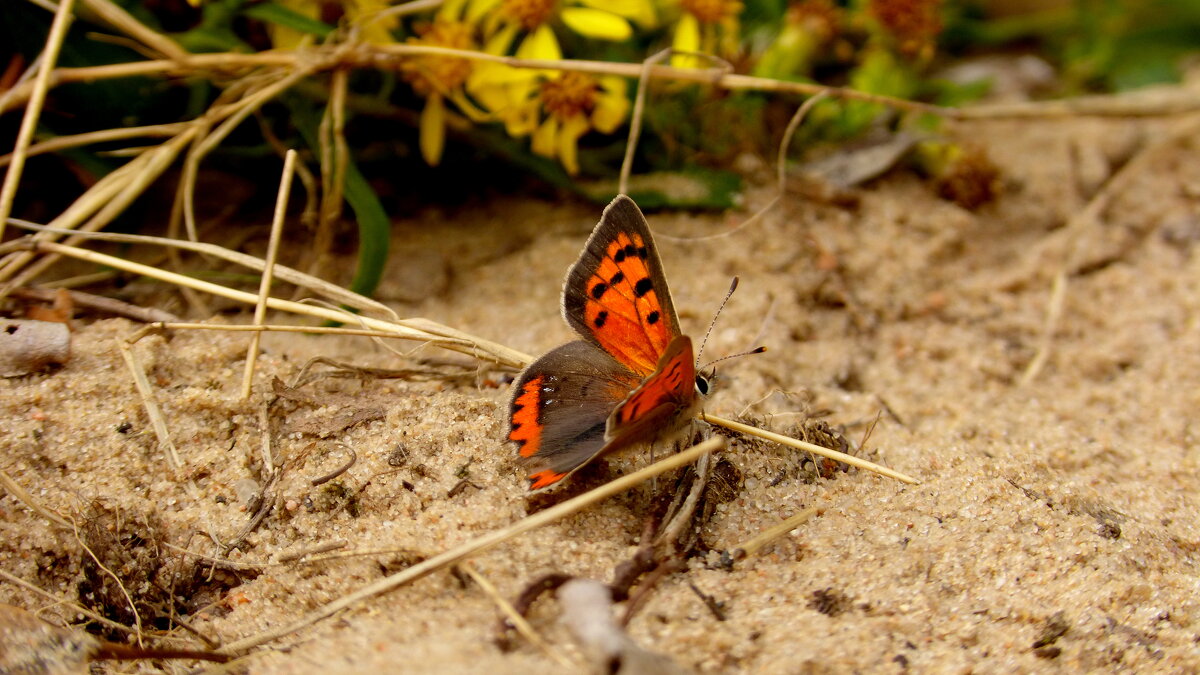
{"x": 631, "y": 379}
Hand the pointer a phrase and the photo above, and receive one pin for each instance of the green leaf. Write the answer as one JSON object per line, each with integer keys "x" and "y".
{"x": 374, "y": 231}
{"x": 271, "y": 12}
{"x": 374, "y": 228}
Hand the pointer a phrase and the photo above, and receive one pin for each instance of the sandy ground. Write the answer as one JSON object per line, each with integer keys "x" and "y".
{"x": 1060, "y": 512}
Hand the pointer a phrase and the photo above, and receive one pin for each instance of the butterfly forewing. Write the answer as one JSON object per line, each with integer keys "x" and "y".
{"x": 616, "y": 296}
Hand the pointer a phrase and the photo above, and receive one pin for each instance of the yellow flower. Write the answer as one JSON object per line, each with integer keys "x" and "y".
{"x": 707, "y": 26}
{"x": 503, "y": 20}
{"x": 437, "y": 78}
{"x": 564, "y": 106}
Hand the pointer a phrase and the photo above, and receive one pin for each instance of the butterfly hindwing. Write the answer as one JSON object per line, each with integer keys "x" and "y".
{"x": 560, "y": 409}
{"x": 616, "y": 295}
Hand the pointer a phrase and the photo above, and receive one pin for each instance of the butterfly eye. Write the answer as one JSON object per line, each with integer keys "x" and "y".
{"x": 702, "y": 385}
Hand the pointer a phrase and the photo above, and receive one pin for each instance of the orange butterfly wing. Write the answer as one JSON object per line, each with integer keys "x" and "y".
{"x": 661, "y": 403}
{"x": 616, "y": 296}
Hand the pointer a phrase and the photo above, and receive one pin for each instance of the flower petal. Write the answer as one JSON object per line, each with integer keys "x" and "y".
{"x": 540, "y": 44}
{"x": 568, "y": 142}
{"x": 639, "y": 11}
{"x": 521, "y": 120}
{"x": 477, "y": 8}
{"x": 612, "y": 106}
{"x": 545, "y": 139}
{"x": 433, "y": 129}
{"x": 596, "y": 23}
{"x": 687, "y": 39}
{"x": 500, "y": 42}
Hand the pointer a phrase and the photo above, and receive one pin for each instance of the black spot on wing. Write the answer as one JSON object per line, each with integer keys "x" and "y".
{"x": 616, "y": 278}
{"x": 599, "y": 289}
{"x": 652, "y": 317}
{"x": 643, "y": 286}
{"x": 600, "y": 319}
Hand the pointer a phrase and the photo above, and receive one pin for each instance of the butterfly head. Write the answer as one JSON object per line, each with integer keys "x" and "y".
{"x": 704, "y": 382}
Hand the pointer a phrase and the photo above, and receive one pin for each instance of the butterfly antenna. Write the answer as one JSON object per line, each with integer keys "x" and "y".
{"x": 732, "y": 288}
{"x": 756, "y": 350}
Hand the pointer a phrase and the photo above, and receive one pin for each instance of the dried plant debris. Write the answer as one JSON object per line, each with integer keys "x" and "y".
{"x": 31, "y": 646}
{"x": 28, "y": 346}
{"x": 127, "y": 576}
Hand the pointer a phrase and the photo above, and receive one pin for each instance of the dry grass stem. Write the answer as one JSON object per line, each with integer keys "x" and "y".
{"x": 98, "y": 303}
{"x": 815, "y": 449}
{"x": 481, "y": 543}
{"x": 264, "y": 424}
{"x": 156, "y": 162}
{"x": 321, "y": 287}
{"x": 123, "y": 21}
{"x": 756, "y": 543}
{"x": 514, "y": 617}
{"x": 41, "y": 84}
{"x": 418, "y": 329}
{"x": 232, "y": 119}
{"x": 20, "y": 494}
{"x": 104, "y": 136}
{"x": 313, "y": 550}
{"x": 264, "y": 287}
{"x": 157, "y": 421}
{"x": 1058, "y": 294}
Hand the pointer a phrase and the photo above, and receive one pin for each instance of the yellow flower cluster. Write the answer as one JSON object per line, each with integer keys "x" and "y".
{"x": 554, "y": 108}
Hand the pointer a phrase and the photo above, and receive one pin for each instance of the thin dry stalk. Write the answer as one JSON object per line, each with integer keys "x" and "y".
{"x": 104, "y": 136}
{"x": 264, "y": 423}
{"x": 153, "y": 411}
{"x": 264, "y": 287}
{"x": 635, "y": 118}
{"x": 156, "y": 162}
{"x": 516, "y": 619}
{"x": 41, "y": 84}
{"x": 481, "y": 543}
{"x": 756, "y": 543}
{"x": 233, "y": 118}
{"x": 20, "y": 494}
{"x": 815, "y": 449}
{"x": 380, "y": 56}
{"x": 321, "y": 287}
{"x": 418, "y": 329}
{"x": 123, "y": 21}
{"x": 98, "y": 303}
{"x": 1058, "y": 294}
{"x": 334, "y": 159}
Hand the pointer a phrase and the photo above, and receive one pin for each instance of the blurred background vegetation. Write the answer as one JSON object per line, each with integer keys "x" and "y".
{"x": 430, "y": 127}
